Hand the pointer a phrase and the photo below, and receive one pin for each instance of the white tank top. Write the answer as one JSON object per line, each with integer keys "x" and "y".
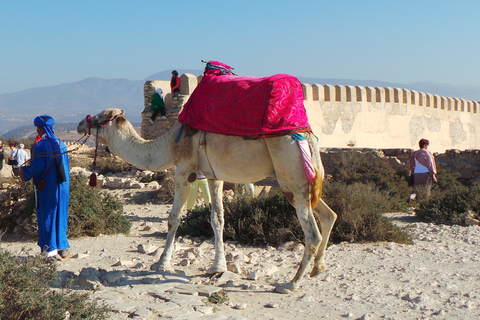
{"x": 420, "y": 168}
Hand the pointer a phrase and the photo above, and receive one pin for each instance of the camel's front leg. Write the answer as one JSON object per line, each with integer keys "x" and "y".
{"x": 327, "y": 219}
{"x": 217, "y": 220}
{"x": 182, "y": 187}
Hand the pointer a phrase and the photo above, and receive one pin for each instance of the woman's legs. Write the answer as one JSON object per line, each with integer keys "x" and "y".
{"x": 192, "y": 195}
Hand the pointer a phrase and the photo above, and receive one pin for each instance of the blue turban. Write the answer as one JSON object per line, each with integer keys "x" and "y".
{"x": 46, "y": 122}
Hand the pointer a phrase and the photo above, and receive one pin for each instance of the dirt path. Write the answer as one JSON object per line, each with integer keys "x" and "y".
{"x": 436, "y": 278}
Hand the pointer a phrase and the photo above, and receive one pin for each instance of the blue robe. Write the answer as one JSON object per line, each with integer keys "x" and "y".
{"x": 53, "y": 199}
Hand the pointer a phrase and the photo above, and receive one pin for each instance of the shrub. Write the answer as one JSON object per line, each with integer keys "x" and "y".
{"x": 25, "y": 293}
{"x": 196, "y": 223}
{"x": 360, "y": 209}
{"x": 273, "y": 220}
{"x": 351, "y": 167}
{"x": 91, "y": 211}
{"x": 449, "y": 199}
{"x": 447, "y": 207}
{"x": 108, "y": 164}
{"x": 105, "y": 163}
{"x": 248, "y": 220}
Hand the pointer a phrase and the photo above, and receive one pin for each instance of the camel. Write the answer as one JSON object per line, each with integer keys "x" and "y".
{"x": 224, "y": 158}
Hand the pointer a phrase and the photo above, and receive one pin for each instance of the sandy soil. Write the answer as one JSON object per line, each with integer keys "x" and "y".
{"x": 436, "y": 278}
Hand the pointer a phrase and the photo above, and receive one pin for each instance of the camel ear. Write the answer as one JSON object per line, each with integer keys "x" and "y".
{"x": 123, "y": 111}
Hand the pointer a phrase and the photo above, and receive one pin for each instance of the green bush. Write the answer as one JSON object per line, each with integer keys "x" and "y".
{"x": 108, "y": 164}
{"x": 91, "y": 211}
{"x": 449, "y": 199}
{"x": 105, "y": 163}
{"x": 25, "y": 292}
{"x": 352, "y": 167}
{"x": 447, "y": 206}
{"x": 247, "y": 220}
{"x": 196, "y": 223}
{"x": 360, "y": 208}
{"x": 273, "y": 220}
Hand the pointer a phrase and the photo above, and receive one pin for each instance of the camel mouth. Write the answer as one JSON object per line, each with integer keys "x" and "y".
{"x": 82, "y": 128}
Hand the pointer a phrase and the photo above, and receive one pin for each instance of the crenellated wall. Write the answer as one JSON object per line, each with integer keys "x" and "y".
{"x": 365, "y": 117}
{"x": 371, "y": 117}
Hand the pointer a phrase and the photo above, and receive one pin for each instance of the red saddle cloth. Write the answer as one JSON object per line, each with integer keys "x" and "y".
{"x": 247, "y": 106}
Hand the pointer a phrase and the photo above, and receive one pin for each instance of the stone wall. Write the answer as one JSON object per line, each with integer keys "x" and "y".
{"x": 371, "y": 117}
{"x": 365, "y": 117}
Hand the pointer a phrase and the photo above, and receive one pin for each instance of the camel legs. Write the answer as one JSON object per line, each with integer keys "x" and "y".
{"x": 218, "y": 222}
{"x": 312, "y": 240}
{"x": 327, "y": 219}
{"x": 182, "y": 187}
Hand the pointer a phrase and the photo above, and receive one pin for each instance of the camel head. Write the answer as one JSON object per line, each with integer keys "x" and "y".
{"x": 98, "y": 125}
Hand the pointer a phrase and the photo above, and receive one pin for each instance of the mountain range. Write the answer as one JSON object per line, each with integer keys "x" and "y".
{"x": 70, "y": 102}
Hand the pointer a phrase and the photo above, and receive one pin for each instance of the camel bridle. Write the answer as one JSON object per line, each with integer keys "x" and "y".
{"x": 97, "y": 125}
{"x": 90, "y": 124}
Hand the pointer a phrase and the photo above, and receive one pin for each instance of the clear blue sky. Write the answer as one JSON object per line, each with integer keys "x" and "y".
{"x": 51, "y": 42}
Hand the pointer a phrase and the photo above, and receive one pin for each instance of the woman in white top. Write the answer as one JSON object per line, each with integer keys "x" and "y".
{"x": 424, "y": 170}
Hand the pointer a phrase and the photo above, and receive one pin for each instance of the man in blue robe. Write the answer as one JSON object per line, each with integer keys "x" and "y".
{"x": 49, "y": 169}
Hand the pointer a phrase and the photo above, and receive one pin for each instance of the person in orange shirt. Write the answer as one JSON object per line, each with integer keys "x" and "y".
{"x": 175, "y": 84}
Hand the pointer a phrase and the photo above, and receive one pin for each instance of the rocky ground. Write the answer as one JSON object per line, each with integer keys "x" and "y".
{"x": 436, "y": 278}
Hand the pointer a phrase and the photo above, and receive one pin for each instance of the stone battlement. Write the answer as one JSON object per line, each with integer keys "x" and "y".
{"x": 341, "y": 93}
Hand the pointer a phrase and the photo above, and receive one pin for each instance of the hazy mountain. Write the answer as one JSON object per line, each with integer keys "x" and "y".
{"x": 29, "y": 131}
{"x": 70, "y": 102}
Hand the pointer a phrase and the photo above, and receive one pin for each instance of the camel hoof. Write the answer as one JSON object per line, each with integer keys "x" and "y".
{"x": 159, "y": 266}
{"x": 286, "y": 288}
{"x": 216, "y": 269}
{"x": 316, "y": 271}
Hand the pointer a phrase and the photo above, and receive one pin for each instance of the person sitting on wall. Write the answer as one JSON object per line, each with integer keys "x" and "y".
{"x": 175, "y": 84}
{"x": 157, "y": 106}
{"x": 423, "y": 169}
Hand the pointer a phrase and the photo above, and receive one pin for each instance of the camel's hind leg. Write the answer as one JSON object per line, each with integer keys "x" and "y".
{"x": 218, "y": 222}
{"x": 312, "y": 240}
{"x": 327, "y": 219}
{"x": 287, "y": 162}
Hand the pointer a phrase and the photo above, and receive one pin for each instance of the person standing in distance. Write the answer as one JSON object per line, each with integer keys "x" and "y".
{"x": 2, "y": 156}
{"x": 424, "y": 171}
{"x": 21, "y": 156}
{"x": 175, "y": 84}
{"x": 49, "y": 169}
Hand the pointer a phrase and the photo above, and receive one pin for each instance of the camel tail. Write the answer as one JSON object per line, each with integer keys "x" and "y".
{"x": 316, "y": 189}
{"x": 317, "y": 183}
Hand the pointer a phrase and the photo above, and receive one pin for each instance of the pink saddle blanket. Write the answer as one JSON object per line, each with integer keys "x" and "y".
{"x": 247, "y": 106}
